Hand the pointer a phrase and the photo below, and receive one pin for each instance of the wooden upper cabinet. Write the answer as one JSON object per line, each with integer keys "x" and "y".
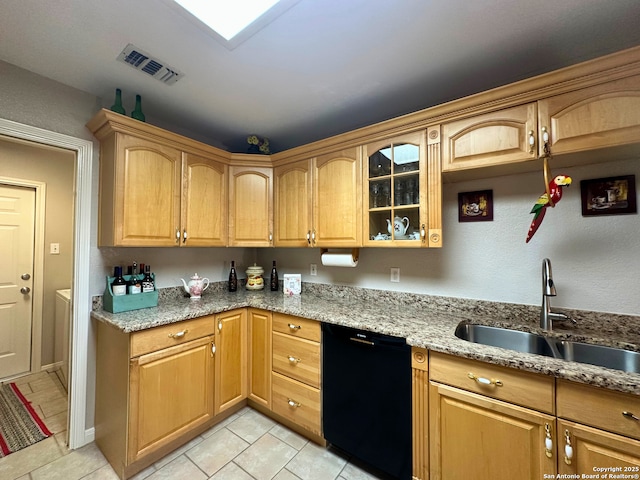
{"x": 140, "y": 193}
{"x": 395, "y": 192}
{"x": 158, "y": 189}
{"x": 337, "y": 199}
{"x": 606, "y": 115}
{"x": 495, "y": 138}
{"x": 250, "y": 206}
{"x": 204, "y": 201}
{"x": 293, "y": 219}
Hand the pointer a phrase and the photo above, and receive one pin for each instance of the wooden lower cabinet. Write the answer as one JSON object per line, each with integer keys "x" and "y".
{"x": 154, "y": 391}
{"x": 230, "y": 359}
{"x": 594, "y": 450}
{"x": 171, "y": 393}
{"x": 473, "y": 436}
{"x": 259, "y": 352}
{"x": 296, "y": 373}
{"x": 600, "y": 427}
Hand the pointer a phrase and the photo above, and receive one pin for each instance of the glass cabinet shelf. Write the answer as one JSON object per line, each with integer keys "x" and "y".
{"x": 393, "y": 193}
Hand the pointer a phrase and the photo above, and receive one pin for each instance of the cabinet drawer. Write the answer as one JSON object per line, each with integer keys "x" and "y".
{"x": 296, "y": 326}
{"x": 297, "y": 358}
{"x": 513, "y": 386}
{"x": 599, "y": 407}
{"x": 297, "y": 402}
{"x": 157, "y": 338}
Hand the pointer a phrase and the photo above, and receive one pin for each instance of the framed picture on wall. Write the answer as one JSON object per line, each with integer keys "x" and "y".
{"x": 608, "y": 196}
{"x": 475, "y": 206}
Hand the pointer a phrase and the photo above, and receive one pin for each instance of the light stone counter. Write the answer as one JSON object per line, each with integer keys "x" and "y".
{"x": 425, "y": 321}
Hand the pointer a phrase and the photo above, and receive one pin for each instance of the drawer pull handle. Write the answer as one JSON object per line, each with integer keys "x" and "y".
{"x": 548, "y": 441}
{"x": 294, "y": 327}
{"x": 631, "y": 416}
{"x": 178, "y": 335}
{"x": 293, "y": 403}
{"x": 485, "y": 381}
{"x": 294, "y": 360}
{"x": 568, "y": 449}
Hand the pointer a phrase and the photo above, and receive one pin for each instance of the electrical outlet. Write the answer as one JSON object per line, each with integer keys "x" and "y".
{"x": 395, "y": 274}
{"x": 54, "y": 249}
{"x": 313, "y": 270}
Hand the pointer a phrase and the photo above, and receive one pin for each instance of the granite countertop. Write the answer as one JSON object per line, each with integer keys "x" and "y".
{"x": 425, "y": 321}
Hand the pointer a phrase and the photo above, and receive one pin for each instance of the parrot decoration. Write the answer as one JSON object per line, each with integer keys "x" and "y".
{"x": 545, "y": 200}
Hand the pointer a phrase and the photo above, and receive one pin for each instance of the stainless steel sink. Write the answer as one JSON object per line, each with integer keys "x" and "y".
{"x": 615, "y": 358}
{"x": 502, "y": 337}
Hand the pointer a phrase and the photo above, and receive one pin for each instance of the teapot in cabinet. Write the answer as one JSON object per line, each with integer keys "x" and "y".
{"x": 196, "y": 286}
{"x": 399, "y": 227}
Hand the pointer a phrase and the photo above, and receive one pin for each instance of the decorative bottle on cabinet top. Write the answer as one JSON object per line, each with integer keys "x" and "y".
{"x": 137, "y": 112}
{"x": 117, "y": 104}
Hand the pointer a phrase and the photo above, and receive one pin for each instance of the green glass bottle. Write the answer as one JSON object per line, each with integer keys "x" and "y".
{"x": 117, "y": 104}
{"x": 137, "y": 112}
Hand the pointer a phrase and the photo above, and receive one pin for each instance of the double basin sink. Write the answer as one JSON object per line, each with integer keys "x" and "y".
{"x": 615, "y": 358}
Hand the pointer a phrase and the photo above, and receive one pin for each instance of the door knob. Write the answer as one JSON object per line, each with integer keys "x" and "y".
{"x": 25, "y": 276}
{"x": 25, "y": 290}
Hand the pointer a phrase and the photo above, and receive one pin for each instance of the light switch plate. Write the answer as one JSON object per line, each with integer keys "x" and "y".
{"x": 313, "y": 270}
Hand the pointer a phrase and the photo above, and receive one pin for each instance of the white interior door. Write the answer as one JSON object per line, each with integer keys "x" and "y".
{"x": 17, "y": 211}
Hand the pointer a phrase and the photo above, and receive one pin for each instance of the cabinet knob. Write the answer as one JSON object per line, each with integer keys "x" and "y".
{"x": 631, "y": 416}
{"x": 568, "y": 449}
{"x": 184, "y": 236}
{"x": 179, "y": 334}
{"x": 177, "y": 235}
{"x": 294, "y": 327}
{"x": 309, "y": 237}
{"x": 485, "y": 381}
{"x": 548, "y": 441}
{"x": 294, "y": 360}
{"x": 293, "y": 403}
{"x": 532, "y": 142}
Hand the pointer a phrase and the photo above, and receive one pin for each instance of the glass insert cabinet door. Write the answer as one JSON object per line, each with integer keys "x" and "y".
{"x": 392, "y": 191}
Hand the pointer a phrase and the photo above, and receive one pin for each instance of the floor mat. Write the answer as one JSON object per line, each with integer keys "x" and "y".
{"x": 20, "y": 425}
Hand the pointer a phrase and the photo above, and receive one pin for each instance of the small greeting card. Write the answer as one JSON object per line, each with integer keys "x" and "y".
{"x": 292, "y": 284}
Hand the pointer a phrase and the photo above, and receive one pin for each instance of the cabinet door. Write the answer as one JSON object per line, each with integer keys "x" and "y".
{"x": 494, "y": 138}
{"x": 260, "y": 356}
{"x": 171, "y": 393}
{"x": 146, "y": 193}
{"x": 473, "y": 436}
{"x": 606, "y": 115}
{"x": 293, "y": 215}
{"x": 337, "y": 199}
{"x": 204, "y": 203}
{"x": 250, "y": 207}
{"x": 231, "y": 359}
{"x": 593, "y": 449}
{"x": 395, "y": 192}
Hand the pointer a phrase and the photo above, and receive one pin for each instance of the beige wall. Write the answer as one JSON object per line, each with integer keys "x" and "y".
{"x": 54, "y": 167}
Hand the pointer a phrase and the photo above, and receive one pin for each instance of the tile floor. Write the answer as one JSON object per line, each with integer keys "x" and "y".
{"x": 245, "y": 446}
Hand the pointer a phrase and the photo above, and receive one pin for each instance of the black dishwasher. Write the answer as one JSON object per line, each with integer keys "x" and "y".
{"x": 366, "y": 397}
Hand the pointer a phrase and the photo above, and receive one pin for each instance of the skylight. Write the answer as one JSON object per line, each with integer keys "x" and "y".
{"x": 227, "y": 17}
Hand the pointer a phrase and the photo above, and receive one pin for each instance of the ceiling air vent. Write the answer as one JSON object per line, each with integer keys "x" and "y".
{"x": 133, "y": 56}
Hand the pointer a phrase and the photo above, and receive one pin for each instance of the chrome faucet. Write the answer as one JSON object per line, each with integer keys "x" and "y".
{"x": 549, "y": 290}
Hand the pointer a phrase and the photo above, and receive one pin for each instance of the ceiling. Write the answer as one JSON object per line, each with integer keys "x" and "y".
{"x": 322, "y": 68}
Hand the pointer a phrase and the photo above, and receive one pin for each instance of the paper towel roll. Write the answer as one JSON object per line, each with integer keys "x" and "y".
{"x": 334, "y": 259}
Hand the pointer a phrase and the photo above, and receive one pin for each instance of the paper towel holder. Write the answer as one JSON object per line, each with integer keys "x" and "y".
{"x": 355, "y": 253}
